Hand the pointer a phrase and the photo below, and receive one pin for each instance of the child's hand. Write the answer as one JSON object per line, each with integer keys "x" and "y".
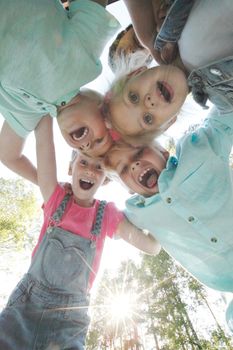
{"x": 167, "y": 55}
{"x": 68, "y": 188}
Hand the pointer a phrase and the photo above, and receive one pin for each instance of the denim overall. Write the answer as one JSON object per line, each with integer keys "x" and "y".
{"x": 174, "y": 22}
{"x": 48, "y": 308}
{"x": 213, "y": 81}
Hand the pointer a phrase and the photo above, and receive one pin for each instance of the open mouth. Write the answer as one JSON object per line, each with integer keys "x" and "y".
{"x": 79, "y": 134}
{"x": 86, "y": 184}
{"x": 165, "y": 91}
{"x": 148, "y": 178}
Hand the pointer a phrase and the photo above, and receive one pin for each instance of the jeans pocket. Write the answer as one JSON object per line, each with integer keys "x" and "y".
{"x": 16, "y": 296}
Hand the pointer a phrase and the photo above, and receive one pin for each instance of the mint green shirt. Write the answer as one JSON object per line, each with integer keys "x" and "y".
{"x": 192, "y": 215}
{"x": 47, "y": 54}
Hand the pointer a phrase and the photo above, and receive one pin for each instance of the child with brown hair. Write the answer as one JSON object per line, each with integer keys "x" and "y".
{"x": 186, "y": 201}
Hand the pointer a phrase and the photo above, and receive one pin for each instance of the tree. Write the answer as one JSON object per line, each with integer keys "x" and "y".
{"x": 18, "y": 208}
{"x": 166, "y": 299}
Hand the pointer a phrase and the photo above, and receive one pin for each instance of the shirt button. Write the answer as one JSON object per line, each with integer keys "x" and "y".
{"x": 26, "y": 95}
{"x": 191, "y": 219}
{"x": 216, "y": 71}
{"x": 63, "y": 103}
{"x": 168, "y": 199}
{"x": 214, "y": 240}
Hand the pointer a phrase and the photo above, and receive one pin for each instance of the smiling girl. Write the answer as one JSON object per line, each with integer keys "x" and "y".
{"x": 145, "y": 102}
{"x": 49, "y": 307}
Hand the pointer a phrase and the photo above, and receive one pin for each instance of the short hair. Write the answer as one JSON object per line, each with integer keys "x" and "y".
{"x": 113, "y": 47}
{"x": 116, "y": 62}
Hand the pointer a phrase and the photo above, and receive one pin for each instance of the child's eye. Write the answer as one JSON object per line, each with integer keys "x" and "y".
{"x": 83, "y": 162}
{"x": 139, "y": 153}
{"x": 99, "y": 140}
{"x": 99, "y": 167}
{"x": 133, "y": 97}
{"x": 148, "y": 119}
{"x": 124, "y": 170}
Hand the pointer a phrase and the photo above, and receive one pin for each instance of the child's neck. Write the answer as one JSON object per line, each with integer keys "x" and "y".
{"x": 85, "y": 203}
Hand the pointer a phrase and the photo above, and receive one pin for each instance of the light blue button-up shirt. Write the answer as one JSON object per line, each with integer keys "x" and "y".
{"x": 192, "y": 215}
{"x": 47, "y": 54}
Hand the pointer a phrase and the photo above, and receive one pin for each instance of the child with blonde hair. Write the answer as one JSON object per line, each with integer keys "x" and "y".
{"x": 43, "y": 65}
{"x": 205, "y": 49}
{"x": 49, "y": 307}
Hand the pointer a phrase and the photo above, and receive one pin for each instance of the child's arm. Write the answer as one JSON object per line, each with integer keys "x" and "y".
{"x": 11, "y": 147}
{"x": 46, "y": 161}
{"x": 133, "y": 235}
{"x": 143, "y": 20}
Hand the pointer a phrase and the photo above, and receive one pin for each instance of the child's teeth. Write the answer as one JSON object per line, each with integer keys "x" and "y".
{"x": 84, "y": 134}
{"x": 143, "y": 173}
{"x": 88, "y": 181}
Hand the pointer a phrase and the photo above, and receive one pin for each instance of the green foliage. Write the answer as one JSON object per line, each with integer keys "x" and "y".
{"x": 18, "y": 207}
{"x": 166, "y": 298}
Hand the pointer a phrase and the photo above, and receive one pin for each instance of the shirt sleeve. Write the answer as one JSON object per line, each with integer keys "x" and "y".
{"x": 113, "y": 217}
{"x": 93, "y": 23}
{"x": 219, "y": 130}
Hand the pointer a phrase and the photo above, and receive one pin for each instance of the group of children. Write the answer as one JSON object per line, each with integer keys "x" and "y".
{"x": 185, "y": 202}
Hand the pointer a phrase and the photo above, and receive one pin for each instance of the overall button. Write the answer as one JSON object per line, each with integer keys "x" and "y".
{"x": 196, "y": 79}
{"x": 216, "y": 71}
{"x": 63, "y": 103}
{"x": 191, "y": 219}
{"x": 168, "y": 200}
{"x": 214, "y": 240}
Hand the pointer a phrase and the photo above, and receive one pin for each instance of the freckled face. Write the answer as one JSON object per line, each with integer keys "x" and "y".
{"x": 83, "y": 127}
{"x": 150, "y": 100}
{"x": 139, "y": 168}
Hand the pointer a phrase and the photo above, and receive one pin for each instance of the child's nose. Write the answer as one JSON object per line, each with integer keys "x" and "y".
{"x": 85, "y": 147}
{"x": 135, "y": 165}
{"x": 150, "y": 101}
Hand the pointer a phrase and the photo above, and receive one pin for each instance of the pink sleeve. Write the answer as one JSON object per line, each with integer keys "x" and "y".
{"x": 113, "y": 217}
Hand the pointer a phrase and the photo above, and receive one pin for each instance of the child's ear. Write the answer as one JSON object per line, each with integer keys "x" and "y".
{"x": 106, "y": 180}
{"x": 166, "y": 154}
{"x": 70, "y": 169}
{"x": 108, "y": 124}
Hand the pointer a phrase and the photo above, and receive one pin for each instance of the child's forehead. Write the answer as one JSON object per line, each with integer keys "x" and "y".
{"x": 91, "y": 160}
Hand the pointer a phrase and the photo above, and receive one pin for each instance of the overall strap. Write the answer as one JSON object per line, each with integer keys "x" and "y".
{"x": 96, "y": 228}
{"x": 60, "y": 209}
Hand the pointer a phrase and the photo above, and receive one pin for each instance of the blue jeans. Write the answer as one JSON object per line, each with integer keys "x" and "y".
{"x": 174, "y": 22}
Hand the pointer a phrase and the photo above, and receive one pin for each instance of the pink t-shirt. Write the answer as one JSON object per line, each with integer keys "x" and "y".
{"x": 79, "y": 220}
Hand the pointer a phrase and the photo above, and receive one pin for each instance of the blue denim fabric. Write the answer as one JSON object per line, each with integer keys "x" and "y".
{"x": 214, "y": 81}
{"x": 49, "y": 307}
{"x": 174, "y": 22}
